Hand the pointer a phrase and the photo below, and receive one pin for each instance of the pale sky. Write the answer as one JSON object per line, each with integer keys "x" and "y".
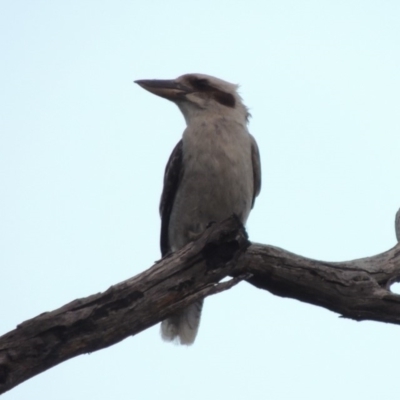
{"x": 82, "y": 156}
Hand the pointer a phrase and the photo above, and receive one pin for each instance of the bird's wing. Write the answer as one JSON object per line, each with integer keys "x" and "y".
{"x": 172, "y": 178}
{"x": 255, "y": 159}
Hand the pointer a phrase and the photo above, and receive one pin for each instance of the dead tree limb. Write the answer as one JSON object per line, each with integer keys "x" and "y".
{"x": 98, "y": 321}
{"x": 358, "y": 289}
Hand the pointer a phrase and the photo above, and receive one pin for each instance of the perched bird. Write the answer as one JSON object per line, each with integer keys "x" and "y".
{"x": 212, "y": 173}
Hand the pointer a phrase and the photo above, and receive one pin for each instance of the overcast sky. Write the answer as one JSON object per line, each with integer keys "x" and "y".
{"x": 82, "y": 156}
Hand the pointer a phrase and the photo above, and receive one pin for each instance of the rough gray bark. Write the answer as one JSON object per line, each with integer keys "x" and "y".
{"x": 101, "y": 320}
{"x": 356, "y": 289}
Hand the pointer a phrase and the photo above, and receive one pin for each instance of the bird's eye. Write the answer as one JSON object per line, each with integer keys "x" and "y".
{"x": 200, "y": 84}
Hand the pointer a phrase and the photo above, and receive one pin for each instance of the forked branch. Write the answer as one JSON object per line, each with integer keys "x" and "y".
{"x": 358, "y": 289}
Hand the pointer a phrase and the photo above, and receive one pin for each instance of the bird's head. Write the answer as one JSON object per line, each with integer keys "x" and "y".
{"x": 199, "y": 95}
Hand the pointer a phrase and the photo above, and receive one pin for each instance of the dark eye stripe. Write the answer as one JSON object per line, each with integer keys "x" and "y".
{"x": 224, "y": 98}
{"x": 202, "y": 85}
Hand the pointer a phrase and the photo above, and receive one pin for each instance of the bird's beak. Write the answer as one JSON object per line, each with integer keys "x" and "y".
{"x": 168, "y": 89}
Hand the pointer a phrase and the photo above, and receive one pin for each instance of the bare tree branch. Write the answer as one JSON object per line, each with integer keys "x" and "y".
{"x": 357, "y": 289}
{"x": 101, "y": 320}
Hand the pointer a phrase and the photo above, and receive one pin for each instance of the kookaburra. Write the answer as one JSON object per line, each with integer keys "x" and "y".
{"x": 212, "y": 173}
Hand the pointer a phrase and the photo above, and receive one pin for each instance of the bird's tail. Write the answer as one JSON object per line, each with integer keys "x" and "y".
{"x": 183, "y": 326}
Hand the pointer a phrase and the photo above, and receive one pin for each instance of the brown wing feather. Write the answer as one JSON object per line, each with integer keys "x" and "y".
{"x": 172, "y": 179}
{"x": 255, "y": 158}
